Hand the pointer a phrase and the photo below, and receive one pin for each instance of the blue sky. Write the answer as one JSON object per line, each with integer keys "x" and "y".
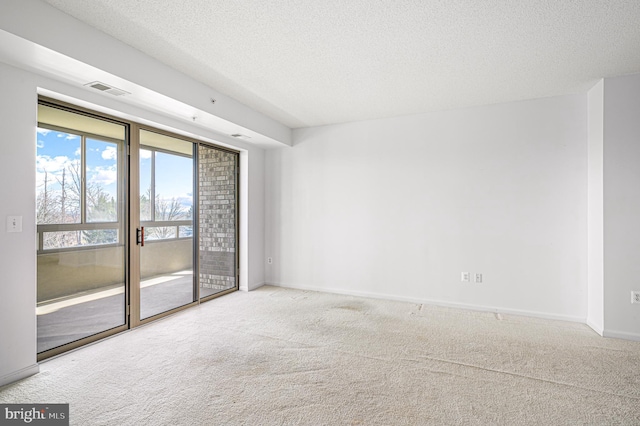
{"x": 58, "y": 150}
{"x": 174, "y": 176}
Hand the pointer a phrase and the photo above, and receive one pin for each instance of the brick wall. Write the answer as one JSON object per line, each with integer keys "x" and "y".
{"x": 217, "y": 218}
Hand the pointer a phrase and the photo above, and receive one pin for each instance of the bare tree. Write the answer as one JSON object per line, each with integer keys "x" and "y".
{"x": 167, "y": 210}
{"x": 64, "y": 206}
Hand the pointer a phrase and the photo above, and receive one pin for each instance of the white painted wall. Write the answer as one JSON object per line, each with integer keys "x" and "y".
{"x": 252, "y": 220}
{"x": 18, "y": 250}
{"x": 398, "y": 207}
{"x": 621, "y": 205}
{"x": 255, "y": 211}
{"x": 595, "y": 310}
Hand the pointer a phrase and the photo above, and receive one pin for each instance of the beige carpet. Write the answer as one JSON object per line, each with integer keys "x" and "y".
{"x": 278, "y": 356}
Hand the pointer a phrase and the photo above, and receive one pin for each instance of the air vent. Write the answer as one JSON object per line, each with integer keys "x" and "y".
{"x": 240, "y": 136}
{"x": 107, "y": 89}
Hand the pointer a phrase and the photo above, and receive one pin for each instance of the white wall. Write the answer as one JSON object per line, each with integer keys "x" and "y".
{"x": 398, "y": 207}
{"x": 252, "y": 220}
{"x": 621, "y": 205}
{"x": 17, "y": 198}
{"x": 595, "y": 314}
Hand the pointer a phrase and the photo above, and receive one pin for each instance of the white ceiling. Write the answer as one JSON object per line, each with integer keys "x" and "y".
{"x": 308, "y": 63}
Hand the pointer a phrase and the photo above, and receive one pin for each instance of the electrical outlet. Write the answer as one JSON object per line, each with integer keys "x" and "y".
{"x": 635, "y": 297}
{"x": 477, "y": 278}
{"x": 465, "y": 277}
{"x": 269, "y": 260}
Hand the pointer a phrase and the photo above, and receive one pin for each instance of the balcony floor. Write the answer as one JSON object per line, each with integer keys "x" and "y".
{"x": 88, "y": 313}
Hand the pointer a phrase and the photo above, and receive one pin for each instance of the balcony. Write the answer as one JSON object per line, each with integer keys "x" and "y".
{"x": 81, "y": 291}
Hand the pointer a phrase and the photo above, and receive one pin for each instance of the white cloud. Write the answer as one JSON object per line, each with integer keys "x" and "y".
{"x": 52, "y": 164}
{"x": 145, "y": 153}
{"x": 103, "y": 176}
{"x": 67, "y": 136}
{"x": 77, "y": 152}
{"x": 43, "y": 132}
{"x": 110, "y": 153}
{"x": 52, "y": 167}
{"x": 40, "y": 144}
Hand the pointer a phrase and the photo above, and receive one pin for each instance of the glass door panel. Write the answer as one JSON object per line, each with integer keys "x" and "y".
{"x": 80, "y": 201}
{"x": 91, "y": 268}
{"x": 166, "y": 215}
{"x": 217, "y": 215}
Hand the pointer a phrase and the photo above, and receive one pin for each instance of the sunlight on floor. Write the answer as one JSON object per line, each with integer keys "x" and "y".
{"x": 48, "y": 307}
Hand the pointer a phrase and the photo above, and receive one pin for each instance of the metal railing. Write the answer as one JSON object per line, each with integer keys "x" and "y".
{"x": 155, "y": 231}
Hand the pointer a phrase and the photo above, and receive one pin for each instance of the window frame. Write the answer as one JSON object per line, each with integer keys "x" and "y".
{"x": 83, "y": 225}
{"x": 153, "y": 223}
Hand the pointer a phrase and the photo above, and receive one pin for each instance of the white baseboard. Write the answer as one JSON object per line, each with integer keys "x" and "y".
{"x": 470, "y": 307}
{"x": 621, "y": 335}
{"x": 256, "y": 285}
{"x": 596, "y": 328}
{"x": 20, "y": 374}
{"x": 252, "y": 287}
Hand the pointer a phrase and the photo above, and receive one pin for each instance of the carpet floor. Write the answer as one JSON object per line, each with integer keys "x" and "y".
{"x": 278, "y": 356}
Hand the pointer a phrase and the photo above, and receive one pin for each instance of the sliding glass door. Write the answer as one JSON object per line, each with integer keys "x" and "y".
{"x": 133, "y": 223}
{"x": 81, "y": 222}
{"x": 166, "y": 219}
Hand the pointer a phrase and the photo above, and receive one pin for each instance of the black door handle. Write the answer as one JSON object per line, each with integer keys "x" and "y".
{"x": 140, "y": 236}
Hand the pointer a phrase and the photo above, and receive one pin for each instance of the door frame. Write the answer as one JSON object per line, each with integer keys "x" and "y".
{"x": 131, "y": 222}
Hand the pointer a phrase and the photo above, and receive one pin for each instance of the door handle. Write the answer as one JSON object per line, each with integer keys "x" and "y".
{"x": 140, "y": 236}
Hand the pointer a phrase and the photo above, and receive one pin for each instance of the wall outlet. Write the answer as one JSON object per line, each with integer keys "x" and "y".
{"x": 269, "y": 260}
{"x": 465, "y": 277}
{"x": 477, "y": 278}
{"x": 635, "y": 297}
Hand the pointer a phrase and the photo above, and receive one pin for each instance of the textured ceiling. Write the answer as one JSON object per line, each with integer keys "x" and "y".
{"x": 307, "y": 63}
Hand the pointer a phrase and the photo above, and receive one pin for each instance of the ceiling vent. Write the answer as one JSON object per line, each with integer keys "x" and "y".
{"x": 107, "y": 89}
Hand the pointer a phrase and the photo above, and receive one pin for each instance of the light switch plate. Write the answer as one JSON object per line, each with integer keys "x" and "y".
{"x": 14, "y": 223}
